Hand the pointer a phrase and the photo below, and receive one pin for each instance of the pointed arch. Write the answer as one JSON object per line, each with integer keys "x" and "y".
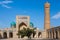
{"x": 4, "y": 34}
{"x": 21, "y": 24}
{"x": 10, "y": 34}
{"x": 0, "y": 36}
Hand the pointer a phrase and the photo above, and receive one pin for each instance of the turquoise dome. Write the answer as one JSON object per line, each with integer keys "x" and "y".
{"x": 31, "y": 24}
{"x": 13, "y": 24}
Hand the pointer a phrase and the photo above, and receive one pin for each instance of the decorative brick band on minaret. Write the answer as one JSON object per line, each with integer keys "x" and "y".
{"x": 47, "y": 16}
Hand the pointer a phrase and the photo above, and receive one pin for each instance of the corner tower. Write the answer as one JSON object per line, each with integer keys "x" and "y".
{"x": 47, "y": 16}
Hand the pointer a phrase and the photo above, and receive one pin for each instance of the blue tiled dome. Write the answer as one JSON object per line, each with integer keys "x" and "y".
{"x": 31, "y": 24}
{"x": 13, "y": 24}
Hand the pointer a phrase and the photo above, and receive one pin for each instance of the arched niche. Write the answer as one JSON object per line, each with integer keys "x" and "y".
{"x": 56, "y": 34}
{"x": 10, "y": 34}
{"x": 0, "y": 36}
{"x": 4, "y": 34}
{"x": 21, "y": 24}
{"x": 39, "y": 34}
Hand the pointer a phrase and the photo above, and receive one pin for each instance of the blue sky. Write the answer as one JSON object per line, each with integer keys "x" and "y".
{"x": 33, "y": 8}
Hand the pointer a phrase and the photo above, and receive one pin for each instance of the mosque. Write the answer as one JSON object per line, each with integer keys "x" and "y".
{"x": 24, "y": 22}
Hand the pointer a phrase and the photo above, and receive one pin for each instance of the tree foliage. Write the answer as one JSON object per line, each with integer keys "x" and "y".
{"x": 26, "y": 32}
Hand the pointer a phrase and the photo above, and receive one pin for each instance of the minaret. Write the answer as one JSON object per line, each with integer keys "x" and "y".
{"x": 47, "y": 16}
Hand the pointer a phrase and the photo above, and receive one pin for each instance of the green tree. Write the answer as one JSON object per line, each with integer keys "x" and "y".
{"x": 26, "y": 32}
{"x": 22, "y": 33}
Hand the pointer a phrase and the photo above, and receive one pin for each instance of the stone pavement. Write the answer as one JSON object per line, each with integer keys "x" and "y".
{"x": 28, "y": 39}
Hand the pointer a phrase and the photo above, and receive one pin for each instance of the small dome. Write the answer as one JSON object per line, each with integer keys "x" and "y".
{"x": 13, "y": 24}
{"x": 31, "y": 24}
{"x": 47, "y": 4}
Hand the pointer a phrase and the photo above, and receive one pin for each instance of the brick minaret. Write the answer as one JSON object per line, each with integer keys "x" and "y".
{"x": 47, "y": 16}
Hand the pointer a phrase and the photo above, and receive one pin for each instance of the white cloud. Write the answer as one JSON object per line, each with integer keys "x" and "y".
{"x": 57, "y": 16}
{"x": 4, "y": 3}
{"x": 5, "y": 6}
